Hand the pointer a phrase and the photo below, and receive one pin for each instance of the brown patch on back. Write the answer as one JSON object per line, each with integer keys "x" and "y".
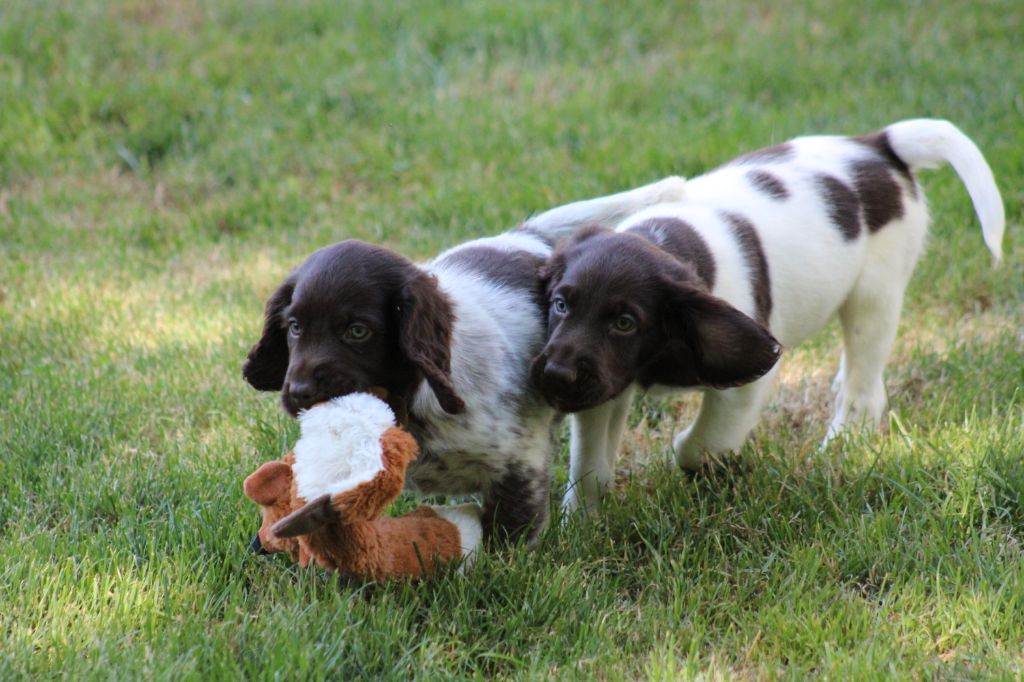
{"x": 879, "y": 143}
{"x": 512, "y": 269}
{"x": 753, "y": 252}
{"x": 680, "y": 239}
{"x": 843, "y": 205}
{"x": 768, "y": 183}
{"x": 878, "y": 191}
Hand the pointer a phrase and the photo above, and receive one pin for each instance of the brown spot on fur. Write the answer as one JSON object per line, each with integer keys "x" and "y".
{"x": 512, "y": 269}
{"x": 879, "y": 193}
{"x": 753, "y": 252}
{"x": 678, "y": 238}
{"x": 768, "y": 183}
{"x": 843, "y": 205}
{"x": 879, "y": 142}
{"x": 516, "y": 505}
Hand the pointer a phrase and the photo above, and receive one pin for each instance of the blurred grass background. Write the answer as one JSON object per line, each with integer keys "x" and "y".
{"x": 164, "y": 164}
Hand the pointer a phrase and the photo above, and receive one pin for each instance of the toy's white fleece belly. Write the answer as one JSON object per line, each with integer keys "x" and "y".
{"x": 340, "y": 445}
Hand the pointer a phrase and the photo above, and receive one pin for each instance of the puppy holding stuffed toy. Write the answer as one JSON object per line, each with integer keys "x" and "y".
{"x": 324, "y": 500}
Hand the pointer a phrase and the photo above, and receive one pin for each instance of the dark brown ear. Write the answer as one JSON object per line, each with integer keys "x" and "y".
{"x": 267, "y": 362}
{"x": 425, "y": 336}
{"x": 710, "y": 342}
{"x": 306, "y": 519}
{"x": 269, "y": 483}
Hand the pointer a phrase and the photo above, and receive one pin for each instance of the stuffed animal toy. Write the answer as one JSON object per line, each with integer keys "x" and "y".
{"x": 324, "y": 500}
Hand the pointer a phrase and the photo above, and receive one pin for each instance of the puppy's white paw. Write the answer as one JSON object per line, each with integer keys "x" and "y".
{"x": 689, "y": 455}
{"x": 575, "y": 502}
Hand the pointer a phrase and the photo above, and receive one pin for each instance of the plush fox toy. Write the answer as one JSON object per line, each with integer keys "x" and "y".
{"x": 324, "y": 500}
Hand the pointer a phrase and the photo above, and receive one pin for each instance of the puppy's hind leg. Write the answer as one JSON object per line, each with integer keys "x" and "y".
{"x": 870, "y": 316}
{"x": 725, "y": 419}
{"x": 869, "y": 320}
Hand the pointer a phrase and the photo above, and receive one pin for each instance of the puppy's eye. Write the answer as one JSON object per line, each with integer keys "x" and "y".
{"x": 293, "y": 327}
{"x": 559, "y": 305}
{"x": 357, "y": 332}
{"x": 624, "y": 324}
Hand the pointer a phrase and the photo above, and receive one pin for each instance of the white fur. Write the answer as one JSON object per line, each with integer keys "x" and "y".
{"x": 498, "y": 330}
{"x": 465, "y": 517}
{"x": 564, "y": 220}
{"x": 340, "y": 445}
{"x": 814, "y": 274}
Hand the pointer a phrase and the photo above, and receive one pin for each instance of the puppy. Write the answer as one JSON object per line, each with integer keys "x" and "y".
{"x": 704, "y": 292}
{"x": 448, "y": 344}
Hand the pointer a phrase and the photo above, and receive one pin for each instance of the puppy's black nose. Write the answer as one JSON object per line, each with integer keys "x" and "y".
{"x": 554, "y": 371}
{"x": 302, "y": 393}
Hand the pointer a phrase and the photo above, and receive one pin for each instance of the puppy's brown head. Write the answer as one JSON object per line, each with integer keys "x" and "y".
{"x": 624, "y": 311}
{"x": 351, "y": 318}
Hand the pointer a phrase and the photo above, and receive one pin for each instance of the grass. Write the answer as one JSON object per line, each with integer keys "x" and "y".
{"x": 163, "y": 165}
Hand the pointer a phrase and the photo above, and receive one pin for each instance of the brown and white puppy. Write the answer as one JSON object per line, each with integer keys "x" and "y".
{"x": 449, "y": 342}
{"x": 699, "y": 293}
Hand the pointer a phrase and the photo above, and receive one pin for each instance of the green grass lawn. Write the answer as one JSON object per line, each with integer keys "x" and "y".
{"x": 164, "y": 164}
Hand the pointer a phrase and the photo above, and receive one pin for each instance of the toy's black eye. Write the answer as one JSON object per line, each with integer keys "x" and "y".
{"x": 357, "y": 332}
{"x": 293, "y": 327}
{"x": 624, "y": 324}
{"x": 559, "y": 305}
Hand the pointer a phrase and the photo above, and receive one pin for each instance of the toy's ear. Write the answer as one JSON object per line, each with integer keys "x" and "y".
{"x": 269, "y": 483}
{"x": 303, "y": 521}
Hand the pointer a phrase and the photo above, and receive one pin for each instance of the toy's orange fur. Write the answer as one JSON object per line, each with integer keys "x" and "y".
{"x": 351, "y": 537}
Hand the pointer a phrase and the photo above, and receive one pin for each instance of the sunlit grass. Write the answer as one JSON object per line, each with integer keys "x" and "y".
{"x": 164, "y": 164}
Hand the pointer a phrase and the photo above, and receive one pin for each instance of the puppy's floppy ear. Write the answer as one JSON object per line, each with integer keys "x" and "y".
{"x": 425, "y": 321}
{"x": 267, "y": 361}
{"x": 710, "y": 343}
{"x": 269, "y": 483}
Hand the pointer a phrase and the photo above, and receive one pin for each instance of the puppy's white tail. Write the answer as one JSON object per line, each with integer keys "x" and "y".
{"x": 607, "y": 210}
{"x": 928, "y": 143}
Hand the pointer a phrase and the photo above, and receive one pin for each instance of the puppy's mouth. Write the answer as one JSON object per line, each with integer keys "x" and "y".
{"x": 577, "y": 401}
{"x": 585, "y": 392}
{"x": 294, "y": 406}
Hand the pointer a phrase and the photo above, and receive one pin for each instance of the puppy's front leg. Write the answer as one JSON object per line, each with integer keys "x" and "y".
{"x": 596, "y": 434}
{"x": 726, "y": 418}
{"x": 516, "y": 504}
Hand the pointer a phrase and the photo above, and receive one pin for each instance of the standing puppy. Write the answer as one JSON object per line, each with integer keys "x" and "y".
{"x": 700, "y": 293}
{"x": 449, "y": 345}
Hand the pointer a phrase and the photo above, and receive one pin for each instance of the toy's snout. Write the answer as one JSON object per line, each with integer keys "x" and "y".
{"x": 256, "y": 546}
